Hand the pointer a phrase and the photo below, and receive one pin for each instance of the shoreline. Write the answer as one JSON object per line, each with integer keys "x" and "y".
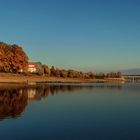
{"x": 34, "y": 79}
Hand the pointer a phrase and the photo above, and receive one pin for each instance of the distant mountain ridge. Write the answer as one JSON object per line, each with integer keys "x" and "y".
{"x": 135, "y": 71}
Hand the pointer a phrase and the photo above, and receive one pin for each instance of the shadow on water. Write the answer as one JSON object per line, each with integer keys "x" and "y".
{"x": 13, "y": 100}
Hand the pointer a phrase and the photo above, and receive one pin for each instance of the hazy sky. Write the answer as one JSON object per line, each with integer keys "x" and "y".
{"x": 82, "y": 34}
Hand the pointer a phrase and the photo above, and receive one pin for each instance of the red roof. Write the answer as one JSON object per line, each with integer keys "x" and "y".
{"x": 32, "y": 63}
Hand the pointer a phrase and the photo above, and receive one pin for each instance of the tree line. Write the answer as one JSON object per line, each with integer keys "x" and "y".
{"x": 56, "y": 72}
{"x": 13, "y": 59}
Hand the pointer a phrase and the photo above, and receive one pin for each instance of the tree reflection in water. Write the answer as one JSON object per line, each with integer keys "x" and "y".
{"x": 14, "y": 100}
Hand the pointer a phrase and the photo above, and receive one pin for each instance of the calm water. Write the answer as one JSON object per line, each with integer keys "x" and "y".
{"x": 70, "y": 112}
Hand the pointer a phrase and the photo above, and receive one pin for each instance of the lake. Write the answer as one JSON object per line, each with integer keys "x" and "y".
{"x": 102, "y": 111}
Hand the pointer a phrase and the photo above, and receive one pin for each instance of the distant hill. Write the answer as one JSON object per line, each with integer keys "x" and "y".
{"x": 135, "y": 71}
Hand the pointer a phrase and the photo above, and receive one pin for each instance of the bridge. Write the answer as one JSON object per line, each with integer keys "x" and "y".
{"x": 132, "y": 78}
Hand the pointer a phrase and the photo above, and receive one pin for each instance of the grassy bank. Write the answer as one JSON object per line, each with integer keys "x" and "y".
{"x": 18, "y": 78}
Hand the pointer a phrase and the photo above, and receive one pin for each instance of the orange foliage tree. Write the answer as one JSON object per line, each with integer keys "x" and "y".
{"x": 12, "y": 58}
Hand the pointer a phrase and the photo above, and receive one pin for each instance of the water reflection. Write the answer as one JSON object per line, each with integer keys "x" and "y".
{"x": 13, "y": 101}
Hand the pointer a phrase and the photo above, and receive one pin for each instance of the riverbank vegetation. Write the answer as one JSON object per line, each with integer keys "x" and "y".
{"x": 13, "y": 59}
{"x": 56, "y": 72}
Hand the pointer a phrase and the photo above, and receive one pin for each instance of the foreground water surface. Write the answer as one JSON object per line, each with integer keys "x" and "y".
{"x": 70, "y": 112}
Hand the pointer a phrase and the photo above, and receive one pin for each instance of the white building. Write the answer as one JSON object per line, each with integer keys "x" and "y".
{"x": 34, "y": 67}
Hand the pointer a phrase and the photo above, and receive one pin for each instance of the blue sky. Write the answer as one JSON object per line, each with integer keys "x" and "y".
{"x": 82, "y": 34}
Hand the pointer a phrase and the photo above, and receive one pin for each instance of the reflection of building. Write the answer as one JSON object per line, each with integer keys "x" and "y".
{"x": 34, "y": 67}
{"x": 31, "y": 94}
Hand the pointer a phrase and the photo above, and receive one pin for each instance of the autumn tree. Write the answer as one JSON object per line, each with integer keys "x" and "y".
{"x": 89, "y": 75}
{"x": 19, "y": 60}
{"x": 46, "y": 70}
{"x": 119, "y": 74}
{"x": 57, "y": 72}
{"x": 12, "y": 58}
{"x": 114, "y": 75}
{"x": 64, "y": 73}
{"x": 52, "y": 71}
